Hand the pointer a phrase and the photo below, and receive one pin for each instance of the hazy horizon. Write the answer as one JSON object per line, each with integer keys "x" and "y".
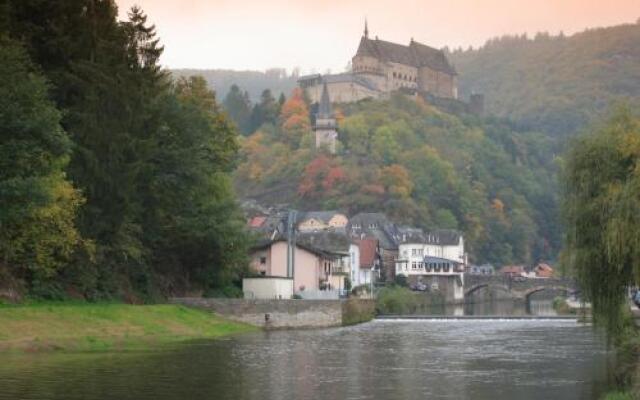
{"x": 321, "y": 36}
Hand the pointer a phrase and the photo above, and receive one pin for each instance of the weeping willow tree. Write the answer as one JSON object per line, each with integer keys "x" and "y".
{"x": 602, "y": 211}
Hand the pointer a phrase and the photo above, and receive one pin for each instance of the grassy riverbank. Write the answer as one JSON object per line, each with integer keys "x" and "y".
{"x": 99, "y": 327}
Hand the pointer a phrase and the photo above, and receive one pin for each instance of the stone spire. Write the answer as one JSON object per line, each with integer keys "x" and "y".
{"x": 366, "y": 29}
{"x": 325, "y": 126}
{"x": 324, "y": 110}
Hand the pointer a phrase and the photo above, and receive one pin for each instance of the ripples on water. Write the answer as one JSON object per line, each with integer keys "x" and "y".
{"x": 490, "y": 360}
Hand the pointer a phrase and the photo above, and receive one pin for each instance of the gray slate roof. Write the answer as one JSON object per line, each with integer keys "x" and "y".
{"x": 416, "y": 54}
{"x": 350, "y": 78}
{"x": 334, "y": 242}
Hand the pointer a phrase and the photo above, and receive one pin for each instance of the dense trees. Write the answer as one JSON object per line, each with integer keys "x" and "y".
{"x": 554, "y": 84}
{"x": 602, "y": 211}
{"x": 151, "y": 157}
{"x": 38, "y": 204}
{"x": 421, "y": 167}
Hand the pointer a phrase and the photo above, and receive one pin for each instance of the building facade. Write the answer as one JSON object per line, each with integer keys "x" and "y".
{"x": 380, "y": 67}
{"x": 393, "y": 66}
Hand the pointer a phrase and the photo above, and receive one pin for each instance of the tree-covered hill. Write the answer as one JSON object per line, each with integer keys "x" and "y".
{"x": 555, "y": 84}
{"x": 254, "y": 82}
{"x": 419, "y": 165}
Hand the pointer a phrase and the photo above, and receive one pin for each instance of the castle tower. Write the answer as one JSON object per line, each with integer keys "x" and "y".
{"x": 325, "y": 126}
{"x": 366, "y": 29}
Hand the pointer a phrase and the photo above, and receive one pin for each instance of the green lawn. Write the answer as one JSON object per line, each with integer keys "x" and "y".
{"x": 95, "y": 327}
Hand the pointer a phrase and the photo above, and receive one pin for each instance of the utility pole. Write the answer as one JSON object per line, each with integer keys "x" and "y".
{"x": 291, "y": 243}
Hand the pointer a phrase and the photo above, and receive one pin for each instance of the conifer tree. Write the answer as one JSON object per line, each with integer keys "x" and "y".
{"x": 238, "y": 106}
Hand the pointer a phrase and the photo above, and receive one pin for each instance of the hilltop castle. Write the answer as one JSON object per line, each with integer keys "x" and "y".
{"x": 380, "y": 67}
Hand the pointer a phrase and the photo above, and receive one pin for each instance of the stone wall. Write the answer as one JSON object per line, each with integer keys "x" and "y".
{"x": 282, "y": 314}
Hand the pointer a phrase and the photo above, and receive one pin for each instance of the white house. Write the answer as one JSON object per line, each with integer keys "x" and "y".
{"x": 432, "y": 254}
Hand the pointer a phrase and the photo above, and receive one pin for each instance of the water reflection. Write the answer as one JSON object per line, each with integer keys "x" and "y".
{"x": 483, "y": 360}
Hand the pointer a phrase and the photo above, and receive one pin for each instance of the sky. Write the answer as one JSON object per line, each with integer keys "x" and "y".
{"x": 323, "y": 35}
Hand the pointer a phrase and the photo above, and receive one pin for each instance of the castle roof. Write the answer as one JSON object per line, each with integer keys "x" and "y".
{"x": 416, "y": 54}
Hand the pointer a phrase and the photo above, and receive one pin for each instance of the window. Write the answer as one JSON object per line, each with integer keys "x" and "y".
{"x": 263, "y": 273}
{"x": 263, "y": 260}
{"x": 394, "y": 74}
{"x": 445, "y": 268}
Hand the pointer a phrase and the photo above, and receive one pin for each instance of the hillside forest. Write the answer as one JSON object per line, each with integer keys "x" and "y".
{"x": 420, "y": 166}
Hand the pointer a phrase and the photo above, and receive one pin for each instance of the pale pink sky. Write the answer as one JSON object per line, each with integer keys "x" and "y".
{"x": 324, "y": 34}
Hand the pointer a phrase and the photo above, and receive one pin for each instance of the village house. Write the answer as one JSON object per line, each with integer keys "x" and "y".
{"x": 340, "y": 246}
{"x": 321, "y": 220}
{"x": 513, "y": 271}
{"x": 313, "y": 269}
{"x": 543, "y": 270}
{"x": 434, "y": 258}
{"x": 365, "y": 271}
{"x": 377, "y": 226}
{"x": 484, "y": 269}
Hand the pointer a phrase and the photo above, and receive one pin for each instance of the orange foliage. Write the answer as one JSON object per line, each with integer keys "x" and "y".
{"x": 297, "y": 122}
{"x": 295, "y": 105}
{"x": 321, "y": 174}
{"x": 335, "y": 175}
{"x": 498, "y": 205}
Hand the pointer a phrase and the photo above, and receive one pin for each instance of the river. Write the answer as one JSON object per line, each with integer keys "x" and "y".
{"x": 455, "y": 359}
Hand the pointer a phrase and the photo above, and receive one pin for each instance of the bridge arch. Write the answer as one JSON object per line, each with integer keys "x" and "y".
{"x": 537, "y": 289}
{"x": 479, "y": 286}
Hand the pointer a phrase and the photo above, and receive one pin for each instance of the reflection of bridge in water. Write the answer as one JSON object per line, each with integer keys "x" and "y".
{"x": 517, "y": 288}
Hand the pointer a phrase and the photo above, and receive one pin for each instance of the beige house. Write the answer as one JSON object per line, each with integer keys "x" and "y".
{"x": 321, "y": 220}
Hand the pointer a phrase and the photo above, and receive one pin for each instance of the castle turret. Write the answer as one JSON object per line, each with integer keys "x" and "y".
{"x": 325, "y": 126}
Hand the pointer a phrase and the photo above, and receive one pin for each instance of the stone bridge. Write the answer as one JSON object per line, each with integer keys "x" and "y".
{"x": 518, "y": 287}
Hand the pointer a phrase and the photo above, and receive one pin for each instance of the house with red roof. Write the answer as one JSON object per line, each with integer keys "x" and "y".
{"x": 365, "y": 270}
{"x": 543, "y": 270}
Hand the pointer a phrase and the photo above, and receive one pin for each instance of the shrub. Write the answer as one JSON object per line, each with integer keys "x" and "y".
{"x": 401, "y": 281}
{"x": 396, "y": 300}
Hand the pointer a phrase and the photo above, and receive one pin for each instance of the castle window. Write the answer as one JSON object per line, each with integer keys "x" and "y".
{"x": 394, "y": 74}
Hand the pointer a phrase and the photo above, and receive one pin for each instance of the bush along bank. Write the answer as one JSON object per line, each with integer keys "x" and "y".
{"x": 400, "y": 300}
{"x": 104, "y": 327}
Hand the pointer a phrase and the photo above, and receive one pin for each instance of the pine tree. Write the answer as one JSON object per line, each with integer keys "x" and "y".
{"x": 238, "y": 106}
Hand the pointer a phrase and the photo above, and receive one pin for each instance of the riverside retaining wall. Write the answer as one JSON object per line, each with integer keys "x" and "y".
{"x": 282, "y": 314}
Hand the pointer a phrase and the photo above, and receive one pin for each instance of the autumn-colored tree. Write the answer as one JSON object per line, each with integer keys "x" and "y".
{"x": 294, "y": 117}
{"x": 314, "y": 175}
{"x": 397, "y": 181}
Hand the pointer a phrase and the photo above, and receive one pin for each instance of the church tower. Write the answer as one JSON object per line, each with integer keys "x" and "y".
{"x": 325, "y": 126}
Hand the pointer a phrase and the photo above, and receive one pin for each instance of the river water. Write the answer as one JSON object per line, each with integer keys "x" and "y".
{"x": 401, "y": 359}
